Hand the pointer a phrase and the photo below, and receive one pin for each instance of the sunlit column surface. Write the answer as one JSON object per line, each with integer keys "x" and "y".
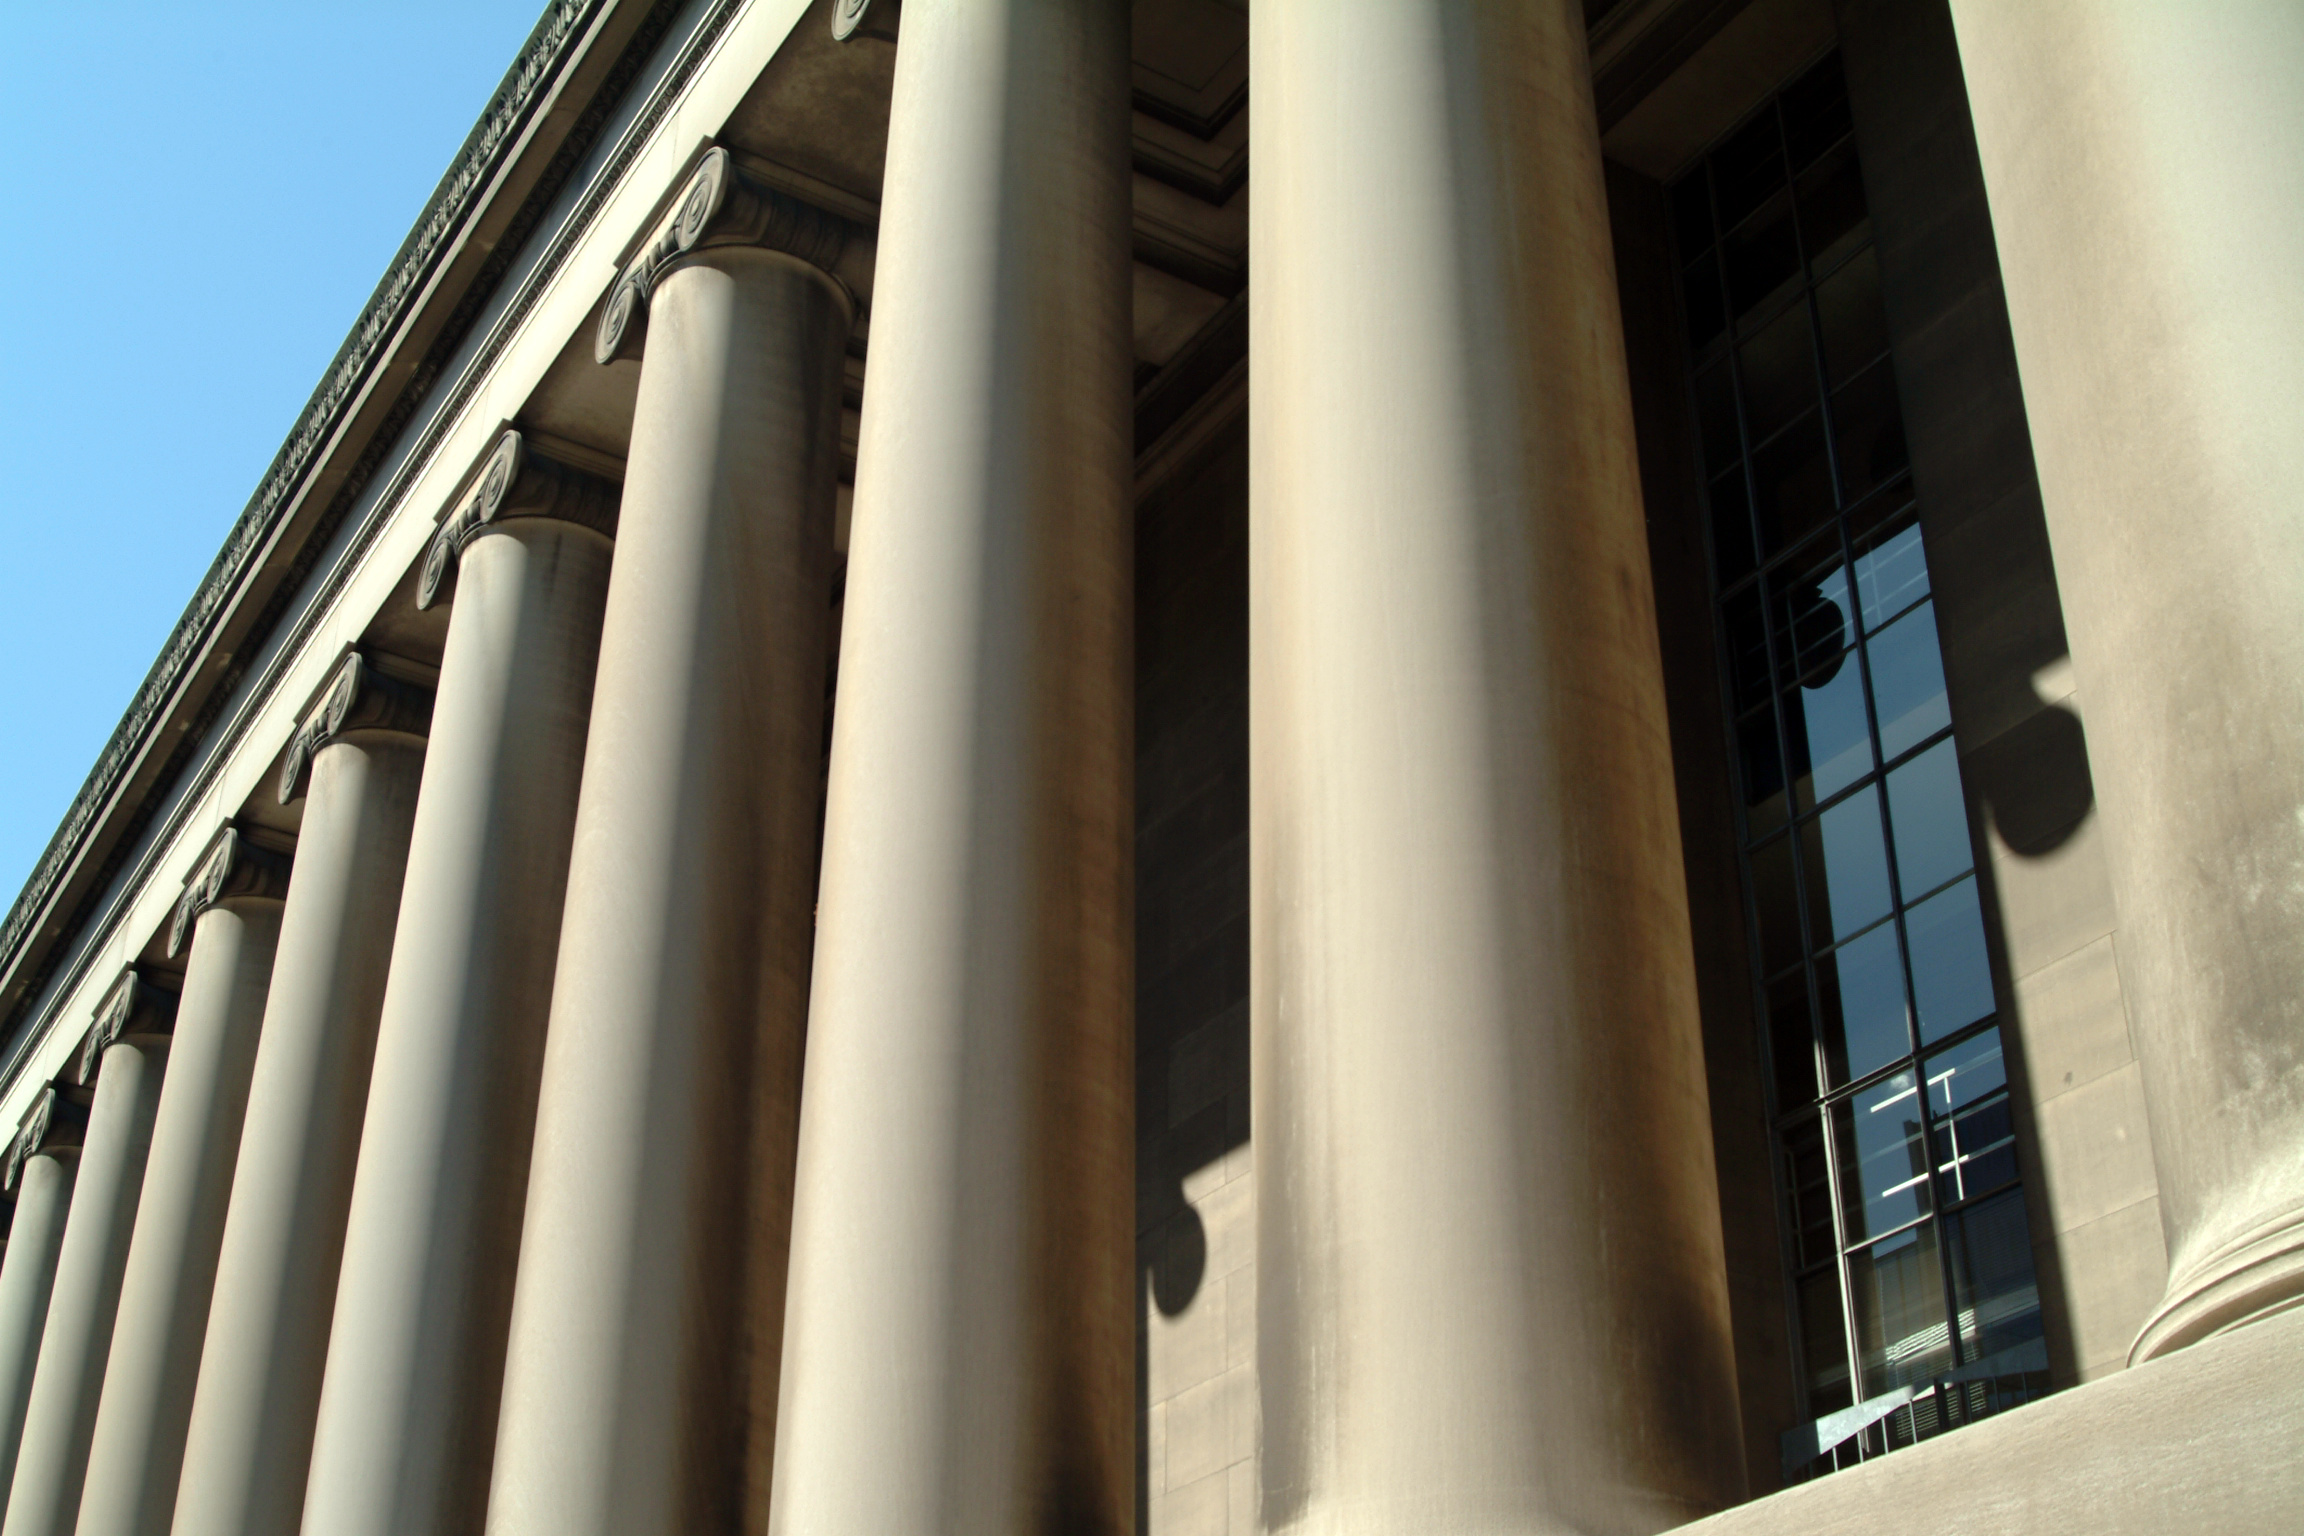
{"x": 2143, "y": 162}
{"x": 42, "y": 1161}
{"x": 1491, "y": 1295}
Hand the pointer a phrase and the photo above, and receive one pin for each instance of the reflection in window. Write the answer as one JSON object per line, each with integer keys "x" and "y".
{"x": 1910, "y": 1257}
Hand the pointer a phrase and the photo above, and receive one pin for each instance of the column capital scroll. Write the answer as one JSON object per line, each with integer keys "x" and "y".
{"x": 134, "y": 1006}
{"x": 57, "y": 1118}
{"x": 358, "y": 698}
{"x": 720, "y": 206}
{"x": 514, "y": 481}
{"x": 231, "y": 867}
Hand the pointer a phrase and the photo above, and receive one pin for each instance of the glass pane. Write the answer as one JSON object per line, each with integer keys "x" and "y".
{"x": 1975, "y": 1135}
{"x": 1762, "y": 260}
{"x": 1808, "y": 1180}
{"x": 1847, "y": 868}
{"x": 1902, "y": 1334}
{"x": 1891, "y": 574}
{"x": 1747, "y": 640}
{"x": 1732, "y": 527}
{"x": 1860, "y": 990}
{"x": 1692, "y": 213}
{"x": 1716, "y": 417}
{"x": 1764, "y": 808}
{"x": 1931, "y": 821}
{"x": 1993, "y": 1289}
{"x": 1775, "y": 902}
{"x": 1883, "y": 1156}
{"x": 1747, "y": 168}
{"x": 1816, "y": 111}
{"x": 1824, "y": 1344}
{"x": 1908, "y": 681}
{"x": 1790, "y": 1041}
{"x": 1868, "y": 432}
{"x": 1951, "y": 978}
{"x": 1832, "y": 215}
{"x": 1707, "y": 317}
{"x": 1779, "y": 364}
{"x": 1792, "y": 483}
{"x": 1810, "y": 609}
{"x": 1831, "y": 743}
{"x": 1855, "y": 326}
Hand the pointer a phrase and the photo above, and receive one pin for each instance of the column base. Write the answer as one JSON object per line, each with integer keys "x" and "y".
{"x": 2254, "y": 1276}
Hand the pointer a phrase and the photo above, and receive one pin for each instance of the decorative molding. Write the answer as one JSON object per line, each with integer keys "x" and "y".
{"x": 515, "y": 481}
{"x": 286, "y": 640}
{"x": 133, "y": 1007}
{"x": 232, "y": 869}
{"x": 56, "y": 1120}
{"x": 357, "y": 699}
{"x": 720, "y": 206}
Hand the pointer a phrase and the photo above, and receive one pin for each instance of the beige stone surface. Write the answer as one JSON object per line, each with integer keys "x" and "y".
{"x": 2118, "y": 1266}
{"x": 2075, "y": 1027}
{"x": 2127, "y": 147}
{"x": 2053, "y": 901}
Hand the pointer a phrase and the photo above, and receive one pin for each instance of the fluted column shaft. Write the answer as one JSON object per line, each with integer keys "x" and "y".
{"x": 1491, "y": 1293}
{"x": 959, "y": 1340}
{"x": 60, "y": 1418}
{"x": 2142, "y": 160}
{"x": 44, "y": 1181}
{"x": 407, "y": 1422}
{"x": 233, "y": 917}
{"x": 248, "y": 1446}
{"x": 640, "y": 1373}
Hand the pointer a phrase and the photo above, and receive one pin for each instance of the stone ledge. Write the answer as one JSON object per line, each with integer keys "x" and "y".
{"x": 2201, "y": 1440}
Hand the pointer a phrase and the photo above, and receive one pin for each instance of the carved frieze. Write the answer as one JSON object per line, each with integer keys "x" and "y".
{"x": 720, "y": 206}
{"x": 232, "y": 868}
{"x": 133, "y": 1007}
{"x": 514, "y": 481}
{"x": 358, "y": 699}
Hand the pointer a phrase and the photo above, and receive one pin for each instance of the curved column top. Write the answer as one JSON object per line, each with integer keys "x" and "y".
{"x": 514, "y": 480}
{"x": 358, "y": 700}
{"x": 133, "y": 1007}
{"x": 231, "y": 869}
{"x": 720, "y": 206}
{"x": 56, "y": 1121}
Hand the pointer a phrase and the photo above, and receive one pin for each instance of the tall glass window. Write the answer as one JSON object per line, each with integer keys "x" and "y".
{"x": 1908, "y": 1254}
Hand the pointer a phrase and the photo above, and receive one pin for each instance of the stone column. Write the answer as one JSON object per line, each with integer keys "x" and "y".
{"x": 230, "y": 913}
{"x": 124, "y": 1059}
{"x": 2141, "y": 160}
{"x": 407, "y": 1423}
{"x": 1491, "y": 1293}
{"x": 247, "y": 1447}
{"x": 43, "y": 1159}
{"x": 959, "y": 1346}
{"x": 639, "y": 1380}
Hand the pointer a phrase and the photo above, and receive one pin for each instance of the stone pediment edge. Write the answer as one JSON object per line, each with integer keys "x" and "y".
{"x": 551, "y": 48}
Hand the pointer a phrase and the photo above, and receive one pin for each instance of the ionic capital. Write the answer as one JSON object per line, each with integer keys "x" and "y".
{"x": 515, "y": 481}
{"x": 133, "y": 1007}
{"x": 54, "y": 1121}
{"x": 358, "y": 700}
{"x": 232, "y": 868}
{"x": 720, "y": 206}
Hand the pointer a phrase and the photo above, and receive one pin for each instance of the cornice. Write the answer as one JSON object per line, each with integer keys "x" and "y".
{"x": 531, "y": 137}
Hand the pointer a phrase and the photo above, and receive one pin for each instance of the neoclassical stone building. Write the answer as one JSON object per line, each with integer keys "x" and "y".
{"x": 864, "y": 837}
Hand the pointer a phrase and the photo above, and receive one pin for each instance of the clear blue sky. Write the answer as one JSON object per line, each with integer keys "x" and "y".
{"x": 197, "y": 201}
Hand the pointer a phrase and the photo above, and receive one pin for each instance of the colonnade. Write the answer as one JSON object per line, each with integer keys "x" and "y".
{"x": 472, "y": 1176}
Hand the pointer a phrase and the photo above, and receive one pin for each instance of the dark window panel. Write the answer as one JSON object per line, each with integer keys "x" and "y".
{"x": 1930, "y": 818}
{"x": 1747, "y": 638}
{"x": 1891, "y": 566}
{"x": 1993, "y": 1290}
{"x": 1951, "y": 976}
{"x": 1845, "y": 868}
{"x": 1792, "y": 486}
{"x": 1748, "y": 168}
{"x": 1901, "y": 1331}
{"x": 1908, "y": 681}
{"x": 1732, "y": 526}
{"x": 1831, "y": 744}
{"x": 1860, "y": 992}
{"x": 1707, "y": 318}
{"x": 1833, "y": 218}
{"x": 1868, "y": 432}
{"x": 1975, "y": 1145}
{"x": 1815, "y": 110}
{"x": 1792, "y": 1045}
{"x": 1809, "y": 605}
{"x": 1762, "y": 260}
{"x": 1763, "y": 769}
{"x": 1855, "y": 326}
{"x": 1692, "y": 213}
{"x": 1808, "y": 1178}
{"x": 1883, "y": 1156}
{"x": 1716, "y": 417}
{"x": 1824, "y": 1343}
{"x": 1775, "y": 902}
{"x": 1779, "y": 368}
